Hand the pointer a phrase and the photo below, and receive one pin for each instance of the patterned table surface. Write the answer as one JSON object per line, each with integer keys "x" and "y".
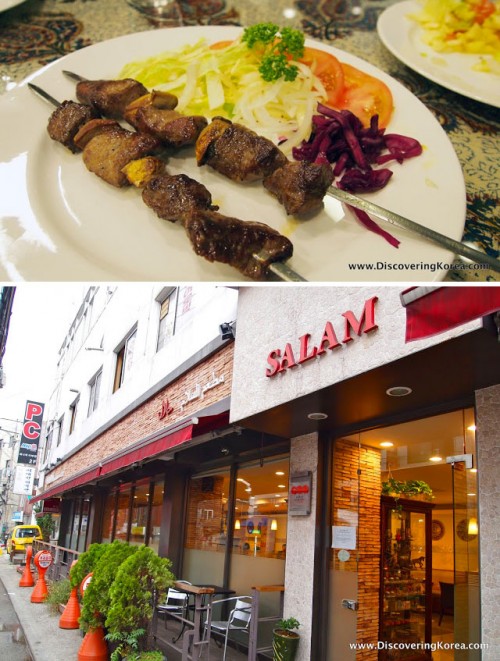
{"x": 36, "y": 32}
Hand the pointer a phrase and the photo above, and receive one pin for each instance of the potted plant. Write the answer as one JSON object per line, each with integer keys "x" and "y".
{"x": 97, "y": 601}
{"x": 285, "y": 639}
{"x": 47, "y": 526}
{"x": 132, "y": 597}
{"x": 408, "y": 489}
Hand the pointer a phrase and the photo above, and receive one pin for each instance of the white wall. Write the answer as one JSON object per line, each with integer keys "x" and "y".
{"x": 283, "y": 314}
{"x": 115, "y": 311}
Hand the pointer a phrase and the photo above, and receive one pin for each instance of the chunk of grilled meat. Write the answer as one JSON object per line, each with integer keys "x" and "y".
{"x": 140, "y": 171}
{"x": 90, "y": 129}
{"x": 109, "y": 97}
{"x": 108, "y": 153}
{"x": 237, "y": 152}
{"x": 176, "y": 197}
{"x": 66, "y": 121}
{"x": 300, "y": 187}
{"x": 236, "y": 242}
{"x": 171, "y": 127}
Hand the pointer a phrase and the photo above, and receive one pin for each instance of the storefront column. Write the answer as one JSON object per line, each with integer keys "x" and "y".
{"x": 299, "y": 570}
{"x": 488, "y": 456}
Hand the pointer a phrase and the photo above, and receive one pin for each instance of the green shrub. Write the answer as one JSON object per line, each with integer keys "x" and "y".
{"x": 132, "y": 592}
{"x": 86, "y": 563}
{"x": 96, "y": 601}
{"x": 59, "y": 592}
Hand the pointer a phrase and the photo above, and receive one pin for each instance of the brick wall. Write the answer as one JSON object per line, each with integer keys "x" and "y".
{"x": 365, "y": 501}
{"x": 144, "y": 420}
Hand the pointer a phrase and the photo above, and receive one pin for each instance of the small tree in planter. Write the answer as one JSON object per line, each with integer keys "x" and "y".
{"x": 132, "y": 597}
{"x": 285, "y": 640}
{"x": 97, "y": 600}
{"x": 47, "y": 526}
{"x": 85, "y": 564}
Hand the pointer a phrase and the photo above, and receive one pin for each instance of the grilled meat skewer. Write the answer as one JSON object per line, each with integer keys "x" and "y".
{"x": 241, "y": 155}
{"x": 66, "y": 120}
{"x": 109, "y": 97}
{"x": 253, "y": 248}
{"x": 212, "y": 235}
{"x": 236, "y": 152}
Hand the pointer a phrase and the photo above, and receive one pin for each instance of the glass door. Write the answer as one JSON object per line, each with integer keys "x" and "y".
{"x": 466, "y": 598}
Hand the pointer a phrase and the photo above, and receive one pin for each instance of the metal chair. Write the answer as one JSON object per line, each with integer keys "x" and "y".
{"x": 176, "y": 603}
{"x": 447, "y": 606}
{"x": 238, "y": 620}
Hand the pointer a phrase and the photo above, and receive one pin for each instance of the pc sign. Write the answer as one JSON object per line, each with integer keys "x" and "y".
{"x": 30, "y": 437}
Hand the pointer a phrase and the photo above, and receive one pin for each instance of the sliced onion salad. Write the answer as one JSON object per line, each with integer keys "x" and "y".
{"x": 225, "y": 82}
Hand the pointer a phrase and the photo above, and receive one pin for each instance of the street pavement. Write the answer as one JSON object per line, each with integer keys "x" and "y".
{"x": 44, "y": 639}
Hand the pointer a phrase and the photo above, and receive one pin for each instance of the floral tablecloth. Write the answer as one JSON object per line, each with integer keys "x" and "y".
{"x": 36, "y": 32}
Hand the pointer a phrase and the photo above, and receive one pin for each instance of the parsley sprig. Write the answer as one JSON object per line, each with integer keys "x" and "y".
{"x": 276, "y": 47}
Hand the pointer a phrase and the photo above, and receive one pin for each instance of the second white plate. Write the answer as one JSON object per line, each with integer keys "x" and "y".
{"x": 402, "y": 36}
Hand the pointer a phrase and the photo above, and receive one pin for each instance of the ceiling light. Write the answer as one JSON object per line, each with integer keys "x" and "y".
{"x": 471, "y": 494}
{"x": 386, "y": 444}
{"x": 281, "y": 486}
{"x": 398, "y": 391}
{"x": 471, "y": 427}
{"x": 472, "y": 528}
{"x": 280, "y": 473}
{"x": 317, "y": 416}
{"x": 248, "y": 489}
{"x": 473, "y": 470}
{"x": 237, "y": 525}
{"x": 436, "y": 456}
{"x": 274, "y": 525}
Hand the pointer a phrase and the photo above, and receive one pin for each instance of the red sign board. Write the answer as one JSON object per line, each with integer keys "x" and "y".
{"x": 51, "y": 506}
{"x": 30, "y": 437}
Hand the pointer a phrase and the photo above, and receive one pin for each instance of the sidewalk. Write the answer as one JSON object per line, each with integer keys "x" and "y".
{"x": 45, "y": 640}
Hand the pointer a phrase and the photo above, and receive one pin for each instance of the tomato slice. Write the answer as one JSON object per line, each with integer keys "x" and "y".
{"x": 219, "y": 45}
{"x": 365, "y": 96}
{"x": 328, "y": 69}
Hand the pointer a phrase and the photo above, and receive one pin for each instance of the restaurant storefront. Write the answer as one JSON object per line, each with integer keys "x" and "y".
{"x": 365, "y": 410}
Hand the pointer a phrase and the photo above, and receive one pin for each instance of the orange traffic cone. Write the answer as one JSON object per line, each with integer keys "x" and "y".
{"x": 27, "y": 580}
{"x": 71, "y": 613}
{"x": 93, "y": 647}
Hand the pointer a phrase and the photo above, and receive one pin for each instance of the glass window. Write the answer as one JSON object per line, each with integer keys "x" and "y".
{"x": 73, "y": 410}
{"x": 140, "y": 506}
{"x": 48, "y": 443}
{"x": 206, "y": 532}
{"x": 94, "y": 386}
{"x": 156, "y": 510}
{"x": 124, "y": 360}
{"x": 122, "y": 513}
{"x": 108, "y": 517}
{"x": 59, "y": 431}
{"x": 166, "y": 326}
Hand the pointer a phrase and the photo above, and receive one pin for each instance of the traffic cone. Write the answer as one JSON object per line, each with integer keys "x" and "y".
{"x": 40, "y": 591}
{"x": 71, "y": 613}
{"x": 93, "y": 647}
{"x": 27, "y": 580}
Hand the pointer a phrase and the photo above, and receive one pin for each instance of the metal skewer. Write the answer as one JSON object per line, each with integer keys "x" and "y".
{"x": 456, "y": 247}
{"x": 279, "y": 269}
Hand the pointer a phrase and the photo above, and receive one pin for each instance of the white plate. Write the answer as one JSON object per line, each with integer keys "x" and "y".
{"x": 60, "y": 222}
{"x": 8, "y": 4}
{"x": 402, "y": 36}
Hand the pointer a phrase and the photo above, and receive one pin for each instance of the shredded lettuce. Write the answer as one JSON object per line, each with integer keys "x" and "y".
{"x": 226, "y": 82}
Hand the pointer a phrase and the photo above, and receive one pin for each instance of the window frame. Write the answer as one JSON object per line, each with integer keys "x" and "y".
{"x": 170, "y": 294}
{"x": 94, "y": 391}
{"x": 121, "y": 359}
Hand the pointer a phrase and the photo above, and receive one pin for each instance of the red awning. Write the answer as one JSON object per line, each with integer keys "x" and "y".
{"x": 176, "y": 435}
{"x": 433, "y": 310}
{"x": 66, "y": 485}
{"x": 150, "y": 449}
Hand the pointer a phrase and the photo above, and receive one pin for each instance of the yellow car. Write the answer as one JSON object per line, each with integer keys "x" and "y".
{"x": 20, "y": 537}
